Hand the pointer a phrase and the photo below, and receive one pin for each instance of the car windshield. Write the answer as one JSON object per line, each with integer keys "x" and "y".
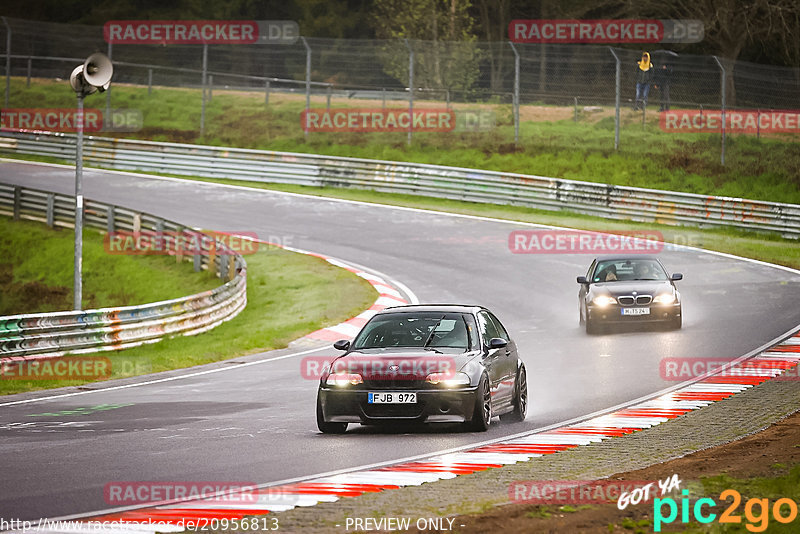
{"x": 628, "y": 269}
{"x": 428, "y": 330}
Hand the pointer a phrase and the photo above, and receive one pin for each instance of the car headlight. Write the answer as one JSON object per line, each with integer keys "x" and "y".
{"x": 448, "y": 379}
{"x": 666, "y": 298}
{"x": 344, "y": 379}
{"x": 603, "y": 301}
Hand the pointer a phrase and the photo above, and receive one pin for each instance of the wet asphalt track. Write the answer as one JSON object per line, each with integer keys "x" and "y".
{"x": 256, "y": 423}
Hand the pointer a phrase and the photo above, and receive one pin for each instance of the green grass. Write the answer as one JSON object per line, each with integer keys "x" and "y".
{"x": 766, "y": 169}
{"x": 288, "y": 296}
{"x": 36, "y": 272}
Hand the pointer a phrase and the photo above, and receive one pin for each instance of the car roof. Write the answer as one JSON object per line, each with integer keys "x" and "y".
{"x": 615, "y": 257}
{"x": 450, "y": 308}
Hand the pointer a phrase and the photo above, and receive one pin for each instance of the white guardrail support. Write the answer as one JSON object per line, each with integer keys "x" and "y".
{"x": 45, "y": 335}
{"x": 609, "y": 201}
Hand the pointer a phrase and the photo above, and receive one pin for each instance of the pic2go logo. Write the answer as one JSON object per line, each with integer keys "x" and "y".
{"x": 756, "y": 511}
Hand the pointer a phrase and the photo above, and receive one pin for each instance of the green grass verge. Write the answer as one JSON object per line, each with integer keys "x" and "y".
{"x": 551, "y": 143}
{"x": 288, "y": 294}
{"x": 36, "y": 272}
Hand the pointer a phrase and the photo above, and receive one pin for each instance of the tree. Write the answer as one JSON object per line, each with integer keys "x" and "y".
{"x": 441, "y": 34}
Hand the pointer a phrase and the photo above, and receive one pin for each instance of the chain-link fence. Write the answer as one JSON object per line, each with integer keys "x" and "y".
{"x": 580, "y": 79}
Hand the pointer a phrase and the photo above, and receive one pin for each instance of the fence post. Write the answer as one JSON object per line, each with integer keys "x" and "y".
{"x": 724, "y": 76}
{"x": 210, "y": 87}
{"x": 203, "y": 98}
{"x": 308, "y": 84}
{"x": 149, "y": 82}
{"x": 576, "y": 109}
{"x": 8, "y": 59}
{"x": 107, "y": 115}
{"x": 30, "y": 67}
{"x": 266, "y": 93}
{"x": 758, "y": 123}
{"x": 616, "y": 99}
{"x": 410, "y": 89}
{"x": 447, "y": 96}
{"x": 328, "y": 105}
{"x": 383, "y": 98}
{"x": 515, "y": 98}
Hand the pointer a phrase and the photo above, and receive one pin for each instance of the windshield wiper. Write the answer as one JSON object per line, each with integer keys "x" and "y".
{"x": 433, "y": 331}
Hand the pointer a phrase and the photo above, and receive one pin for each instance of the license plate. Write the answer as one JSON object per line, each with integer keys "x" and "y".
{"x": 635, "y": 311}
{"x": 392, "y": 397}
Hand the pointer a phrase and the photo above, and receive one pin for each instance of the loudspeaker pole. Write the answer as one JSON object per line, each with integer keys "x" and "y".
{"x": 78, "y": 280}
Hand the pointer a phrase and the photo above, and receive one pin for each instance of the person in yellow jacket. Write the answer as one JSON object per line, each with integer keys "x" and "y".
{"x": 644, "y": 77}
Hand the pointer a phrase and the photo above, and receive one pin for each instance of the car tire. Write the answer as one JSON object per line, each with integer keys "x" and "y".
{"x": 482, "y": 413}
{"x": 328, "y": 428}
{"x": 520, "y": 398}
{"x": 591, "y": 327}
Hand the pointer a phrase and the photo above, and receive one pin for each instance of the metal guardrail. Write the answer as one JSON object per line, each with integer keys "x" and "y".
{"x": 610, "y": 201}
{"x": 45, "y": 335}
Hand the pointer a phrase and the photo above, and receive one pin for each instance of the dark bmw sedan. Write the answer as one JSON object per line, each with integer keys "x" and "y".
{"x": 425, "y": 364}
{"x": 628, "y": 289}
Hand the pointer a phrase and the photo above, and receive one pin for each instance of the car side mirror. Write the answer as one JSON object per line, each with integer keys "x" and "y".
{"x": 676, "y": 276}
{"x": 342, "y": 344}
{"x": 582, "y": 280}
{"x": 497, "y": 343}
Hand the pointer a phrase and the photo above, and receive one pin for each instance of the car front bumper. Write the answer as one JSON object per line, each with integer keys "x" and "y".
{"x": 613, "y": 313}
{"x": 342, "y": 405}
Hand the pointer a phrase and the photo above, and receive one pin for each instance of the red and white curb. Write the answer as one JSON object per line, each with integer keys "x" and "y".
{"x": 741, "y": 375}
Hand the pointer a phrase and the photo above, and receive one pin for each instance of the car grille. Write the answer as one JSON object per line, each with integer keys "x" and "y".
{"x": 393, "y": 410}
{"x": 629, "y": 300}
{"x": 393, "y": 381}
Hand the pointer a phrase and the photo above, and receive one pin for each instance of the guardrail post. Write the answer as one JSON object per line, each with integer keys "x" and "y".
{"x": 223, "y": 264}
{"x": 266, "y": 93}
{"x": 616, "y": 98}
{"x": 30, "y": 67}
{"x": 722, "y": 106}
{"x": 149, "y": 82}
{"x": 110, "y": 219}
{"x": 17, "y": 202}
{"x": 137, "y": 222}
{"x": 51, "y": 214}
{"x": 197, "y": 262}
{"x": 410, "y": 90}
{"x": 308, "y": 84}
{"x": 515, "y": 98}
{"x": 8, "y": 59}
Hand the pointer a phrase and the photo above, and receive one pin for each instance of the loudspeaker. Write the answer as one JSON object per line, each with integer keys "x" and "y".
{"x": 94, "y": 74}
{"x": 97, "y": 70}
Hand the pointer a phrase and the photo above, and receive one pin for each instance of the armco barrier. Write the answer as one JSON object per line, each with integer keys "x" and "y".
{"x": 617, "y": 202}
{"x": 45, "y": 335}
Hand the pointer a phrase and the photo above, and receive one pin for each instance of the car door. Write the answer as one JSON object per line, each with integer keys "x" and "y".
{"x": 493, "y": 359}
{"x": 508, "y": 361}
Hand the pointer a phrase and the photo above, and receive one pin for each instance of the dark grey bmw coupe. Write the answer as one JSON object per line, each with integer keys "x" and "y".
{"x": 425, "y": 364}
